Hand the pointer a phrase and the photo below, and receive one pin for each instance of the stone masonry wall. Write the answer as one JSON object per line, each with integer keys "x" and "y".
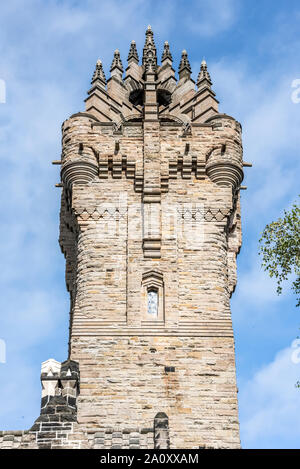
{"x": 123, "y": 356}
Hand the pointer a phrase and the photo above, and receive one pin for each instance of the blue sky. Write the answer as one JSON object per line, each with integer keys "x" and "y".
{"x": 48, "y": 51}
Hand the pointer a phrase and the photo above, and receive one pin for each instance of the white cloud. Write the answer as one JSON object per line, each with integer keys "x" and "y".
{"x": 270, "y": 405}
{"x": 208, "y": 18}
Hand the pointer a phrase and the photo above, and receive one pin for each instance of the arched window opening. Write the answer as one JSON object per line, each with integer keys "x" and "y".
{"x": 152, "y": 297}
{"x": 153, "y": 302}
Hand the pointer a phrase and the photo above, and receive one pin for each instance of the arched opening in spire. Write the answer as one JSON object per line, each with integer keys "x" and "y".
{"x": 164, "y": 97}
{"x": 136, "y": 97}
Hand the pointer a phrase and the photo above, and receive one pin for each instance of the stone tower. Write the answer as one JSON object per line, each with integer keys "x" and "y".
{"x": 150, "y": 229}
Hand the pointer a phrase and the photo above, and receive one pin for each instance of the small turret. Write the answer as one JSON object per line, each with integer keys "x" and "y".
{"x": 206, "y": 104}
{"x": 166, "y": 55}
{"x": 203, "y": 79}
{"x": 184, "y": 66}
{"x": 186, "y": 86}
{"x": 166, "y": 75}
{"x": 116, "y": 68}
{"x": 99, "y": 75}
{"x": 134, "y": 74}
{"x": 115, "y": 85}
{"x": 133, "y": 54}
{"x": 97, "y": 93}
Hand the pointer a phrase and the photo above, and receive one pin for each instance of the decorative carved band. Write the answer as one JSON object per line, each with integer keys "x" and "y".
{"x": 202, "y": 214}
{"x": 118, "y": 213}
{"x": 104, "y": 212}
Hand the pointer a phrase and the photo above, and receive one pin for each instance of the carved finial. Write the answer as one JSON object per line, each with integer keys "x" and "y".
{"x": 117, "y": 62}
{"x": 166, "y": 53}
{"x": 99, "y": 74}
{"x": 149, "y": 36}
{"x": 149, "y": 52}
{"x": 184, "y": 66}
{"x": 204, "y": 76}
{"x": 133, "y": 54}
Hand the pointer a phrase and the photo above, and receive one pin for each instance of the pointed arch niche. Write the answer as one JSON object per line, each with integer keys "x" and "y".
{"x": 153, "y": 297}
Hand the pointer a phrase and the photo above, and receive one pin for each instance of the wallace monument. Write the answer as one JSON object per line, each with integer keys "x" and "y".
{"x": 150, "y": 228}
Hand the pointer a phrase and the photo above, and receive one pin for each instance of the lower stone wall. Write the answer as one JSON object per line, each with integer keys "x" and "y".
{"x": 17, "y": 440}
{"x": 138, "y": 392}
{"x": 129, "y": 438}
{"x": 126, "y": 381}
{"x": 71, "y": 436}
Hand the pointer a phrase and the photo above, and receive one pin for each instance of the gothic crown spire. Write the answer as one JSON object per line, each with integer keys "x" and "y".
{"x": 117, "y": 62}
{"x": 149, "y": 52}
{"x": 99, "y": 73}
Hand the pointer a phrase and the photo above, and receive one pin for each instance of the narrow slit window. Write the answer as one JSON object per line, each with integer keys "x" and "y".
{"x": 153, "y": 303}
